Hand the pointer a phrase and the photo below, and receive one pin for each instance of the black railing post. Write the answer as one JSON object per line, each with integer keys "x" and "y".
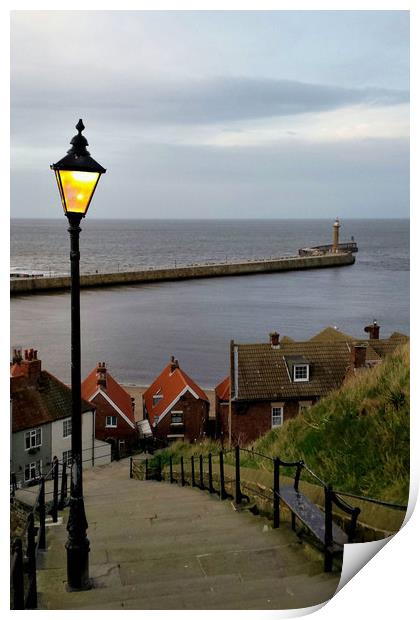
{"x": 276, "y": 493}
{"x": 17, "y": 576}
{"x": 211, "y": 487}
{"x": 328, "y": 541}
{"x": 13, "y": 484}
{"x": 353, "y": 521}
{"x": 299, "y": 467}
{"x": 159, "y": 470}
{"x": 131, "y": 466}
{"x": 32, "y": 597}
{"x": 182, "y": 472}
{"x": 63, "y": 492}
{"x": 41, "y": 512}
{"x": 171, "y": 473}
{"x": 146, "y": 470}
{"x": 202, "y": 487}
{"x": 223, "y": 493}
{"x": 192, "y": 472}
{"x": 54, "y": 509}
{"x": 238, "y": 494}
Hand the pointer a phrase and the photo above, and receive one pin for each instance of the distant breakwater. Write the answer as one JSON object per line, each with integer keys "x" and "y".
{"x": 23, "y": 286}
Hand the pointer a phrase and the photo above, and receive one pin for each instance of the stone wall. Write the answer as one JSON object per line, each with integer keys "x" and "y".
{"x": 295, "y": 263}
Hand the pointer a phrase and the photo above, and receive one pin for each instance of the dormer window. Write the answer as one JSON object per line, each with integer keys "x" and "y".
{"x": 297, "y": 368}
{"x": 301, "y": 372}
{"x": 157, "y": 398}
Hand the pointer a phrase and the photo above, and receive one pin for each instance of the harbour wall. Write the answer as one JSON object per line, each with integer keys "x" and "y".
{"x": 23, "y": 286}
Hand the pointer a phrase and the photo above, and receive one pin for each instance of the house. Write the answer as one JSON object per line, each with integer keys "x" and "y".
{"x": 114, "y": 406}
{"x": 272, "y": 382}
{"x": 175, "y": 406}
{"x": 41, "y": 421}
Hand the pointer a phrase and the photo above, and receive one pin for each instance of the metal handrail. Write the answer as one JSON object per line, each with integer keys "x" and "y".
{"x": 372, "y": 500}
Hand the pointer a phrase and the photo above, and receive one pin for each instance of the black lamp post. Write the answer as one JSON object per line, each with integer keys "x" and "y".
{"x": 77, "y": 176}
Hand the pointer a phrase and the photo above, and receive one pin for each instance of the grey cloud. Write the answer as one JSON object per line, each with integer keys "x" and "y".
{"x": 199, "y": 101}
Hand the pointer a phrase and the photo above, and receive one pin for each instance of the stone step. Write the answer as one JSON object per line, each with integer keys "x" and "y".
{"x": 161, "y": 546}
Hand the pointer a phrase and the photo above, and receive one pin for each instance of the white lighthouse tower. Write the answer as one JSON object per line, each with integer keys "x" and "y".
{"x": 336, "y": 236}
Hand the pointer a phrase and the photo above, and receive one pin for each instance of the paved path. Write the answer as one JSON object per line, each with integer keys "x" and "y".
{"x": 161, "y": 546}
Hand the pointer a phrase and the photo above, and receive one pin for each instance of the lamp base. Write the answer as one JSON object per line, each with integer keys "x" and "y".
{"x": 78, "y": 567}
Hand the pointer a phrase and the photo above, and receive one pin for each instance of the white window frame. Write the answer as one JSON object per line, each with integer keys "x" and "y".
{"x": 32, "y": 435}
{"x": 277, "y": 407}
{"x": 67, "y": 457}
{"x": 181, "y": 413}
{"x": 66, "y": 425}
{"x": 33, "y": 469}
{"x": 111, "y": 417}
{"x": 300, "y": 366}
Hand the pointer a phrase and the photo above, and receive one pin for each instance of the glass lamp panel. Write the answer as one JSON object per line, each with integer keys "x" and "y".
{"x": 76, "y": 189}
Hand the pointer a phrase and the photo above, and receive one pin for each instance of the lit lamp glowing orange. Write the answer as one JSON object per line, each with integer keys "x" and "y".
{"x": 77, "y": 176}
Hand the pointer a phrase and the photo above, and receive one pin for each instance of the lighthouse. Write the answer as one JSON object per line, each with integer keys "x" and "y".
{"x": 336, "y": 236}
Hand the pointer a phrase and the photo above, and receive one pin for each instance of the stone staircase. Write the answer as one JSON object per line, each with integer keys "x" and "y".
{"x": 161, "y": 546}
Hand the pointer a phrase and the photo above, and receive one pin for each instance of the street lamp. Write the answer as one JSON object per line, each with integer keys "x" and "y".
{"x": 77, "y": 176}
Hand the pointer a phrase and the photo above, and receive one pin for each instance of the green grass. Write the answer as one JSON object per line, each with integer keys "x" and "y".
{"x": 357, "y": 438}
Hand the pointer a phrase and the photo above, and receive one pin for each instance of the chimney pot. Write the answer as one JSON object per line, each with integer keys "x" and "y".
{"x": 274, "y": 339}
{"x": 26, "y": 354}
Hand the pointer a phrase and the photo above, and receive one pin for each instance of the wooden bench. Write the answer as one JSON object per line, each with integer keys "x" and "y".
{"x": 319, "y": 522}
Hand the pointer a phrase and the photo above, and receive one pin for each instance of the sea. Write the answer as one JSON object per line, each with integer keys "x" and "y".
{"x": 136, "y": 328}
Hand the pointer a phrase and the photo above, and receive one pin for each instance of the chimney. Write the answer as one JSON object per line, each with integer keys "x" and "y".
{"x": 31, "y": 365}
{"x": 133, "y": 404}
{"x": 274, "y": 339}
{"x": 101, "y": 374}
{"x": 358, "y": 355}
{"x": 373, "y": 330}
{"x": 174, "y": 364}
{"x": 17, "y": 356}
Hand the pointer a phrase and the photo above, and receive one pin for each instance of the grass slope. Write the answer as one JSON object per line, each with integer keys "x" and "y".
{"x": 357, "y": 438}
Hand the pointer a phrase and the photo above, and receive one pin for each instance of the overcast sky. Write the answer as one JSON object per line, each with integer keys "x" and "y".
{"x": 215, "y": 114}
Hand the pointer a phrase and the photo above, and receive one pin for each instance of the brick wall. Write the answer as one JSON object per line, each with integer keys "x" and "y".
{"x": 251, "y": 420}
{"x": 195, "y": 419}
{"x": 123, "y": 431}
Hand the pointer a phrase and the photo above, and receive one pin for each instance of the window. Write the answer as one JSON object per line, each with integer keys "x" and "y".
{"x": 33, "y": 438}
{"x": 67, "y": 427}
{"x": 156, "y": 399}
{"x": 301, "y": 372}
{"x": 32, "y": 470}
{"x": 276, "y": 415}
{"x": 67, "y": 458}
{"x": 177, "y": 417}
{"x": 111, "y": 421}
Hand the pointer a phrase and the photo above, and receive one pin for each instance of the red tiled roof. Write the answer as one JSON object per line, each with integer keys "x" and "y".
{"x": 171, "y": 385}
{"x": 223, "y": 389}
{"x": 113, "y": 390}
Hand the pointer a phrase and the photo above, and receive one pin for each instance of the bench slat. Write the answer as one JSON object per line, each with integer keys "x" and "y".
{"x": 310, "y": 515}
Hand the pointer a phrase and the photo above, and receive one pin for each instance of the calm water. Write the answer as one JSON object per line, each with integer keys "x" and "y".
{"x": 136, "y": 328}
